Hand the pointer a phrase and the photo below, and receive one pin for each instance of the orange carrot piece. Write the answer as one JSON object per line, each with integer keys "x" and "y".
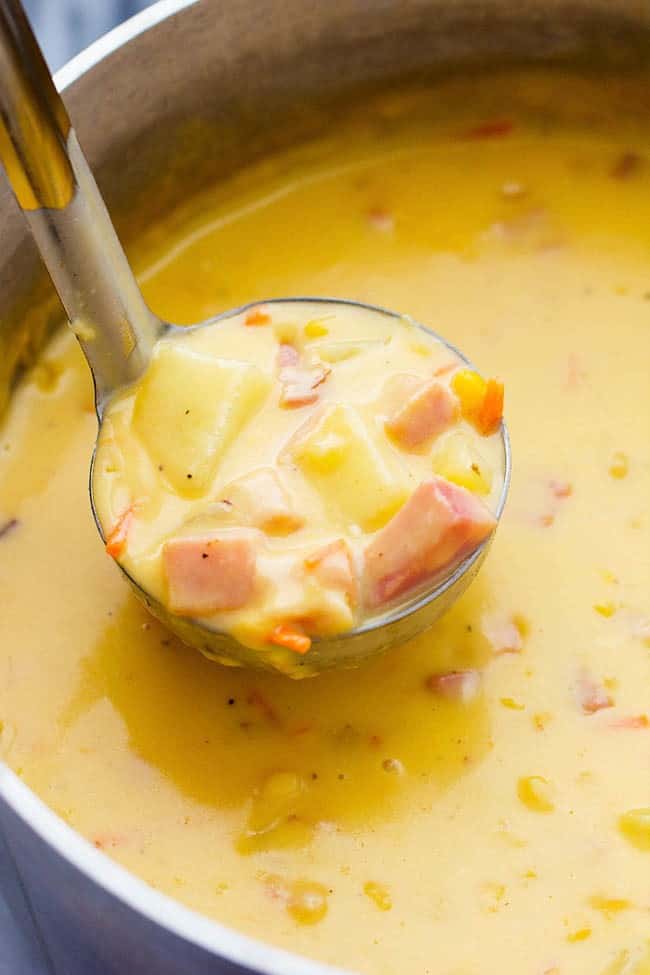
{"x": 257, "y": 316}
{"x": 490, "y": 413}
{"x": 257, "y": 700}
{"x": 117, "y": 537}
{"x": 290, "y": 636}
{"x": 632, "y": 721}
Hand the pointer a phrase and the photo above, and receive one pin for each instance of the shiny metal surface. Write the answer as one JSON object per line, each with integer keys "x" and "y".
{"x": 92, "y": 916}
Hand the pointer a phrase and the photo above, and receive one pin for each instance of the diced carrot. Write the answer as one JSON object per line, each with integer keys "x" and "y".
{"x": 490, "y": 413}
{"x": 117, "y": 537}
{"x": 257, "y": 316}
{"x": 444, "y": 368}
{"x": 290, "y": 636}
{"x": 561, "y": 489}
{"x": 491, "y": 129}
{"x": 631, "y": 722}
{"x": 591, "y": 696}
{"x": 257, "y": 700}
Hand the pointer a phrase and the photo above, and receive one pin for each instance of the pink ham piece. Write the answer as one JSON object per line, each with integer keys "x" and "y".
{"x": 440, "y": 524}
{"x": 591, "y": 696}
{"x": 456, "y": 685}
{"x": 429, "y": 411}
{"x": 210, "y": 573}
{"x": 299, "y": 384}
{"x": 333, "y": 566}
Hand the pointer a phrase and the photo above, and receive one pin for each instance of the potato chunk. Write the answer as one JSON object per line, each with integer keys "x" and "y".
{"x": 189, "y": 408}
{"x": 456, "y": 459}
{"x": 346, "y": 465}
{"x": 262, "y": 499}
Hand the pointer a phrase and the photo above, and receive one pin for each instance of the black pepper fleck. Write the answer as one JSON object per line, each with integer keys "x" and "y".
{"x": 8, "y": 526}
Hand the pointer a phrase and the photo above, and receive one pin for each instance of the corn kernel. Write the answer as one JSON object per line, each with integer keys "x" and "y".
{"x": 378, "y": 894}
{"x": 315, "y": 329}
{"x": 470, "y": 389}
{"x": 580, "y": 935}
{"x": 635, "y": 827}
{"x": 511, "y": 704}
{"x": 536, "y": 793}
{"x": 609, "y": 906}
{"x": 307, "y": 903}
{"x": 605, "y": 609}
{"x": 619, "y": 465}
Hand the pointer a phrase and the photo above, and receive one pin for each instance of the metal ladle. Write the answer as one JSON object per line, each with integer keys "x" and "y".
{"x": 117, "y": 331}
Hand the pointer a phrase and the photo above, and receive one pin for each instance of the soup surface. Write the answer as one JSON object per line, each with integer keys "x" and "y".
{"x": 476, "y": 801}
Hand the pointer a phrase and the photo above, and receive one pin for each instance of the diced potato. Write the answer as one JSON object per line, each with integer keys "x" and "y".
{"x": 456, "y": 459}
{"x": 340, "y": 351}
{"x": 188, "y": 409}
{"x": 346, "y": 465}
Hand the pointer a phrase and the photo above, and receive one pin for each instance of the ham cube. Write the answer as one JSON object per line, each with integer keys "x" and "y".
{"x": 299, "y": 383}
{"x": 439, "y": 525}
{"x": 591, "y": 695}
{"x": 456, "y": 685}
{"x": 210, "y": 573}
{"x": 263, "y": 501}
{"x": 426, "y": 413}
{"x": 333, "y": 566}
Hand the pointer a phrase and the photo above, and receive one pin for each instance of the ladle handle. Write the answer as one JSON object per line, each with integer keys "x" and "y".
{"x": 66, "y": 213}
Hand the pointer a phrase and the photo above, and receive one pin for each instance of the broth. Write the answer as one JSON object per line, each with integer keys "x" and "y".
{"x": 383, "y": 819}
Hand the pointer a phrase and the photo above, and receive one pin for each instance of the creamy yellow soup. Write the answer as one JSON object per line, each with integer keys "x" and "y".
{"x": 476, "y": 801}
{"x": 297, "y": 468}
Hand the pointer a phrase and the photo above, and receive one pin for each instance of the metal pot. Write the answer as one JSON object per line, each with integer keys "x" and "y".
{"x": 228, "y": 73}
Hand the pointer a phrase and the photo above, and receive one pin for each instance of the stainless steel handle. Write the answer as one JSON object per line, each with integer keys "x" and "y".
{"x": 57, "y": 192}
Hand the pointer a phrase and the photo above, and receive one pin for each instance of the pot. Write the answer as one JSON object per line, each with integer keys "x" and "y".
{"x": 180, "y": 90}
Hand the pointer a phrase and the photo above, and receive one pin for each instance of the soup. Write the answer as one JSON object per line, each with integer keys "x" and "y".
{"x": 473, "y": 801}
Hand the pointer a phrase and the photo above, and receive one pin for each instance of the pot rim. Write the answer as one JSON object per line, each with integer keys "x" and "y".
{"x": 219, "y": 939}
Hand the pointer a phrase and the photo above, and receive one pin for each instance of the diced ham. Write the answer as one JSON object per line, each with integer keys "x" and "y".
{"x": 591, "y": 695}
{"x": 504, "y": 633}
{"x": 425, "y": 414}
{"x": 381, "y": 220}
{"x": 299, "y": 383}
{"x": 210, "y": 573}
{"x": 288, "y": 355}
{"x": 263, "y": 501}
{"x": 456, "y": 685}
{"x": 334, "y": 568}
{"x": 440, "y": 524}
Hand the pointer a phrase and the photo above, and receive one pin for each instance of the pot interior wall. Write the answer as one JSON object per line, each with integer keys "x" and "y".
{"x": 218, "y": 84}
